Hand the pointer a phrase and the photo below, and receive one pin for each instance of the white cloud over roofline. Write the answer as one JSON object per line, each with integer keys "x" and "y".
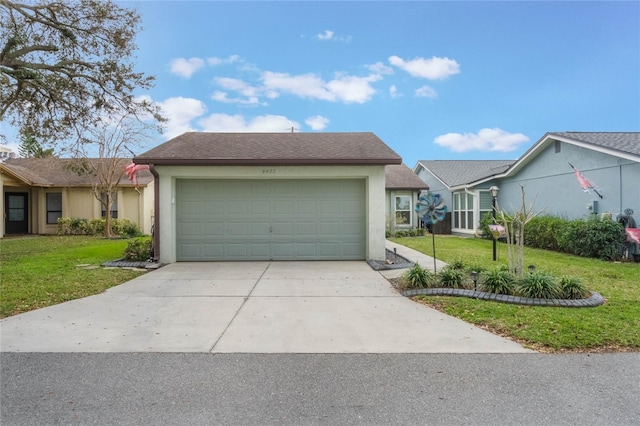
{"x": 238, "y": 123}
{"x": 185, "y": 67}
{"x": 317, "y": 122}
{"x": 486, "y": 139}
{"x": 434, "y": 68}
{"x": 180, "y": 112}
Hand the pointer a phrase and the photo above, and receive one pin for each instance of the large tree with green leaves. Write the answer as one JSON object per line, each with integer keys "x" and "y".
{"x": 65, "y": 65}
{"x": 31, "y": 148}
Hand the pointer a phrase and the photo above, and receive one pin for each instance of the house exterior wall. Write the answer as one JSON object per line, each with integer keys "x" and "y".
{"x": 435, "y": 185}
{"x": 550, "y": 183}
{"x": 78, "y": 202}
{"x": 374, "y": 177}
{"x": 390, "y": 202}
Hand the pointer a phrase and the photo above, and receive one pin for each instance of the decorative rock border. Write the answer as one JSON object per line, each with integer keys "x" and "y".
{"x": 594, "y": 300}
{"x": 397, "y": 262}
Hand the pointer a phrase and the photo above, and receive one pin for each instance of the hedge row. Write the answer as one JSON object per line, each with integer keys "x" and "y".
{"x": 596, "y": 237}
{"x": 79, "y": 226}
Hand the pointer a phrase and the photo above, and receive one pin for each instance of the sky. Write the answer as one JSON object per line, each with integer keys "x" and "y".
{"x": 433, "y": 80}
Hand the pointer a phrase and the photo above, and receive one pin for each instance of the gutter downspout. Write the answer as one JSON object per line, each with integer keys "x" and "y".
{"x": 156, "y": 216}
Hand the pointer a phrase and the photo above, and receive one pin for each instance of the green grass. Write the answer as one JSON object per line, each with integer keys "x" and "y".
{"x": 41, "y": 271}
{"x": 614, "y": 326}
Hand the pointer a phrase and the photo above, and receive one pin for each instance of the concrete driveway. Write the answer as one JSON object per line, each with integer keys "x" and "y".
{"x": 249, "y": 307}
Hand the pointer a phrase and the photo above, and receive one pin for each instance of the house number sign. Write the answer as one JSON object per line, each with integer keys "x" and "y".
{"x": 268, "y": 171}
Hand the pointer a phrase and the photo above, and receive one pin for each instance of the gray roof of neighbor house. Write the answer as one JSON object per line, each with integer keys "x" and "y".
{"x": 461, "y": 172}
{"x": 624, "y": 142}
{"x": 201, "y": 148}
{"x": 399, "y": 176}
{"x": 56, "y": 172}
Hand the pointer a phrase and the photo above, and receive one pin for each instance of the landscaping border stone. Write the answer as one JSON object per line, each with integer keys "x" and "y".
{"x": 594, "y": 300}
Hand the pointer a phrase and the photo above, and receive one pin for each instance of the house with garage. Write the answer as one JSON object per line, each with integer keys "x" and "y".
{"x": 270, "y": 196}
{"x": 38, "y": 191}
{"x": 567, "y": 174}
{"x": 403, "y": 188}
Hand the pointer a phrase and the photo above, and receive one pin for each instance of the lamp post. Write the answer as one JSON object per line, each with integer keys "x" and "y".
{"x": 494, "y": 196}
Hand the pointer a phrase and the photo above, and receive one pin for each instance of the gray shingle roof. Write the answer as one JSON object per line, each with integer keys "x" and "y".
{"x": 201, "y": 148}
{"x": 626, "y": 142}
{"x": 399, "y": 176}
{"x": 56, "y": 172}
{"x": 461, "y": 172}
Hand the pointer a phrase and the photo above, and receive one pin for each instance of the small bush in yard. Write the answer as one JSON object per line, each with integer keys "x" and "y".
{"x": 138, "y": 250}
{"x": 573, "y": 288}
{"x": 539, "y": 285}
{"x": 417, "y": 276}
{"x": 451, "y": 277}
{"x": 499, "y": 281}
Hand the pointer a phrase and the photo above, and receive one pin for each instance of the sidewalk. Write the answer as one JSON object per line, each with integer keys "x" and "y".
{"x": 411, "y": 255}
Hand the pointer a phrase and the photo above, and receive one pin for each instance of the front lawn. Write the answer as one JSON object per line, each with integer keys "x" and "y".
{"x": 41, "y": 271}
{"x": 614, "y": 326}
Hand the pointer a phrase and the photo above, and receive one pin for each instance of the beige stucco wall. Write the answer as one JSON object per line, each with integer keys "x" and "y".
{"x": 374, "y": 183}
{"x": 79, "y": 202}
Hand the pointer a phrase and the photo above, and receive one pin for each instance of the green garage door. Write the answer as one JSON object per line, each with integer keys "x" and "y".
{"x": 270, "y": 220}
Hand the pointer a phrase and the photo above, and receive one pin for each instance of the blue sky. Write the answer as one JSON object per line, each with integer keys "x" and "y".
{"x": 434, "y": 80}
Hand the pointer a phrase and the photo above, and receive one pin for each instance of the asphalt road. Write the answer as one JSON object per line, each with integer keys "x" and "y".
{"x": 341, "y": 389}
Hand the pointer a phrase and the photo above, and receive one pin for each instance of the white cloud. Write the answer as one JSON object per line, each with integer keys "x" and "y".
{"x": 317, "y": 122}
{"x": 432, "y": 69}
{"x": 343, "y": 88}
{"x": 180, "y": 112}
{"x": 393, "y": 92}
{"x": 238, "y": 123}
{"x": 221, "y": 61}
{"x": 329, "y": 35}
{"x": 186, "y": 67}
{"x": 326, "y": 35}
{"x": 380, "y": 68}
{"x": 426, "y": 92}
{"x": 485, "y": 140}
{"x": 224, "y": 98}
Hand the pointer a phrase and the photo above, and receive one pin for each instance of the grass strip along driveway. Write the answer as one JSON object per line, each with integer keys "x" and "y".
{"x": 41, "y": 271}
{"x": 614, "y": 326}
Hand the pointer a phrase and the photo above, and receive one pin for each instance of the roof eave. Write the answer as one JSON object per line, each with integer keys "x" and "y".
{"x": 267, "y": 162}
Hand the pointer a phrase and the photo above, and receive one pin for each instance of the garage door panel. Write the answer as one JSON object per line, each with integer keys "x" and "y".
{"x": 270, "y": 219}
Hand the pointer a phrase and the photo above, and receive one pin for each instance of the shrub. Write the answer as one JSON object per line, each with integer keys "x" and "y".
{"x": 417, "y": 276}
{"x": 457, "y": 264}
{"x": 573, "y": 288}
{"x": 539, "y": 285}
{"x": 499, "y": 281}
{"x": 125, "y": 228}
{"x": 73, "y": 226}
{"x": 599, "y": 238}
{"x": 451, "y": 277}
{"x": 138, "y": 250}
{"x": 486, "y": 220}
{"x": 543, "y": 232}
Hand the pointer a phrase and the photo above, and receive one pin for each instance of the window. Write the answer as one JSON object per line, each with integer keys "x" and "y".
{"x": 486, "y": 203}
{"x": 558, "y": 146}
{"x": 54, "y": 207}
{"x": 403, "y": 210}
{"x": 463, "y": 211}
{"x": 114, "y": 205}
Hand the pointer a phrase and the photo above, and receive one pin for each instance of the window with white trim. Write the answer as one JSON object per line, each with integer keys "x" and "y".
{"x": 463, "y": 211}
{"x": 403, "y": 210}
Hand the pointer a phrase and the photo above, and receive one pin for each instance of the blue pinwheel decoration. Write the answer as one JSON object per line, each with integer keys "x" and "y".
{"x": 432, "y": 209}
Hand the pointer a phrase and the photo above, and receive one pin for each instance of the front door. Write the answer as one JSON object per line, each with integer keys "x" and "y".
{"x": 16, "y": 217}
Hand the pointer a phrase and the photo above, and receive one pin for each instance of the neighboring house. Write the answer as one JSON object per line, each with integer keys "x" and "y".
{"x": 608, "y": 160}
{"x": 270, "y": 196}
{"x": 402, "y": 191}
{"x": 38, "y": 191}
{"x": 455, "y": 181}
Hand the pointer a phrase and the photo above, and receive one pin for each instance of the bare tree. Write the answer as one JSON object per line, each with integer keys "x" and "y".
{"x": 66, "y": 64}
{"x": 113, "y": 144}
{"x": 514, "y": 226}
